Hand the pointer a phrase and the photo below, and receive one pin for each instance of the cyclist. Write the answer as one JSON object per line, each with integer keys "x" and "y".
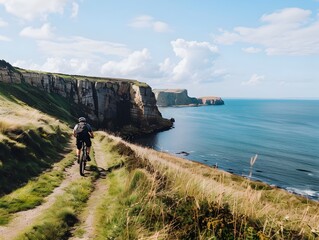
{"x": 83, "y": 132}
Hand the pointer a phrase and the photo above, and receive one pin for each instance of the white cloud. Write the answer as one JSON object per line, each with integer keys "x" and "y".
{"x": 79, "y": 47}
{"x": 136, "y": 65}
{"x": 194, "y": 63}
{"x": 45, "y": 32}
{"x": 32, "y": 9}
{"x": 75, "y": 9}
{"x": 226, "y": 37}
{"x": 146, "y": 21}
{"x": 75, "y": 55}
{"x": 251, "y": 50}
{"x": 254, "y": 80}
{"x": 166, "y": 67}
{"x": 60, "y": 65}
{"x": 287, "y": 16}
{"x": 290, "y": 31}
{"x": 73, "y": 65}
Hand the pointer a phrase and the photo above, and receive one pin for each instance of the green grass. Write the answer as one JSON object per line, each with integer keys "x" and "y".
{"x": 31, "y": 141}
{"x": 52, "y": 104}
{"x": 111, "y": 216}
{"x": 27, "y": 154}
{"x": 33, "y": 193}
{"x": 58, "y": 221}
{"x": 131, "y": 209}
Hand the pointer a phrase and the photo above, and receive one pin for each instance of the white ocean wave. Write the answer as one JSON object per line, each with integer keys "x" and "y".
{"x": 304, "y": 192}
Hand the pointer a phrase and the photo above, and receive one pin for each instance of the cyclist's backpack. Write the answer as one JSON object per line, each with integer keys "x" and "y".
{"x": 82, "y": 130}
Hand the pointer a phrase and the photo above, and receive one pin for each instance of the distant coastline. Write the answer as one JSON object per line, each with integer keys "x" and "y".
{"x": 179, "y": 97}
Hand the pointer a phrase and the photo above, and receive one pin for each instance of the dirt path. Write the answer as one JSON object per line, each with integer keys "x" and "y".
{"x": 87, "y": 218}
{"x": 25, "y": 218}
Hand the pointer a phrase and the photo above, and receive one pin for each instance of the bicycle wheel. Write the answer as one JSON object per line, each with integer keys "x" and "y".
{"x": 83, "y": 160}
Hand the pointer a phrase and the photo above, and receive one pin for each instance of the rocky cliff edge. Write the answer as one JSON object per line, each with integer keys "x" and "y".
{"x": 123, "y": 105}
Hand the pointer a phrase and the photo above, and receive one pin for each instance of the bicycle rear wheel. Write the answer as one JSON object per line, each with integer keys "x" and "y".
{"x": 83, "y": 161}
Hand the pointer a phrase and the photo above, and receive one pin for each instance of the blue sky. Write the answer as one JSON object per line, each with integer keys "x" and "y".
{"x": 229, "y": 48}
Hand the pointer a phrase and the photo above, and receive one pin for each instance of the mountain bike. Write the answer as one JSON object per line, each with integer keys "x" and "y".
{"x": 83, "y": 159}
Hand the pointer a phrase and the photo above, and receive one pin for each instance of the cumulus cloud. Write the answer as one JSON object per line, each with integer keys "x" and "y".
{"x": 75, "y": 55}
{"x": 44, "y": 32}
{"x": 251, "y": 50}
{"x": 254, "y": 80}
{"x": 32, "y": 9}
{"x": 137, "y": 65}
{"x": 72, "y": 66}
{"x": 146, "y": 21}
{"x": 194, "y": 62}
{"x": 290, "y": 31}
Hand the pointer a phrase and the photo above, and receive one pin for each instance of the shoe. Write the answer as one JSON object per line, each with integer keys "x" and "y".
{"x": 88, "y": 158}
{"x": 78, "y": 159}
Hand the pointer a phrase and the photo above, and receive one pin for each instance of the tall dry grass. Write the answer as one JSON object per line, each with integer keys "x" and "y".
{"x": 277, "y": 214}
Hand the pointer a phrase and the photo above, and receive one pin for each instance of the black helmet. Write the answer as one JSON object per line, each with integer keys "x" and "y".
{"x": 82, "y": 119}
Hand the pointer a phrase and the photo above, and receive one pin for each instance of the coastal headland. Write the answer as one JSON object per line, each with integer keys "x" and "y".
{"x": 179, "y": 97}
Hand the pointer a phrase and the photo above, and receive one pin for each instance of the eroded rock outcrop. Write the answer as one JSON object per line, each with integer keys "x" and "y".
{"x": 109, "y": 103}
{"x": 211, "y": 101}
{"x": 178, "y": 97}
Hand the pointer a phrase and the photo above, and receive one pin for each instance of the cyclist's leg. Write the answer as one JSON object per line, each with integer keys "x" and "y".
{"x": 88, "y": 148}
{"x": 78, "y": 149}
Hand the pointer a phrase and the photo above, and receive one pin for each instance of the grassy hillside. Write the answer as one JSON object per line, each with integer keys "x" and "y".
{"x": 159, "y": 195}
{"x": 32, "y": 135}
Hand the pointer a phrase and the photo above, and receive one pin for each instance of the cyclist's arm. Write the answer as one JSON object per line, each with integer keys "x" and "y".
{"x": 74, "y": 130}
{"x": 91, "y": 131}
{"x": 91, "y": 134}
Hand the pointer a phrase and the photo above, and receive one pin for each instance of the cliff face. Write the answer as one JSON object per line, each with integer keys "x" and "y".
{"x": 109, "y": 103}
{"x": 175, "y": 97}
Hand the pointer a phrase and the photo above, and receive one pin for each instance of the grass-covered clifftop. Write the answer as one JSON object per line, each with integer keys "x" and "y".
{"x": 33, "y": 132}
{"x": 129, "y": 192}
{"x": 161, "y": 195}
{"x": 83, "y": 77}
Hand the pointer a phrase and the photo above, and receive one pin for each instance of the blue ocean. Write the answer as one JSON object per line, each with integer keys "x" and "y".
{"x": 283, "y": 133}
